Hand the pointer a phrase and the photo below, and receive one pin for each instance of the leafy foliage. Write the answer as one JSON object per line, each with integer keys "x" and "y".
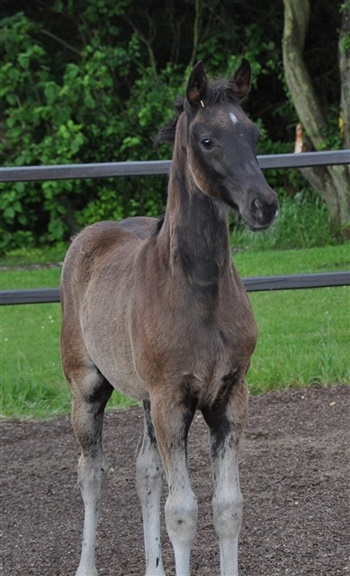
{"x": 80, "y": 116}
{"x": 93, "y": 80}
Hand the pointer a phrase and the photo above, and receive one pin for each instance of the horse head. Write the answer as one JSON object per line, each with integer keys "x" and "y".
{"x": 221, "y": 146}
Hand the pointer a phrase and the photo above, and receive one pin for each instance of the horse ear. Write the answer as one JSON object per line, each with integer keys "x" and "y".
{"x": 242, "y": 79}
{"x": 196, "y": 84}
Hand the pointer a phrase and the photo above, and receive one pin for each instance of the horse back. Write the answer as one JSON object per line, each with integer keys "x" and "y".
{"x": 98, "y": 247}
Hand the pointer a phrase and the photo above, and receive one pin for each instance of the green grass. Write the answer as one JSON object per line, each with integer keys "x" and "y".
{"x": 20, "y": 256}
{"x": 300, "y": 261}
{"x": 32, "y": 382}
{"x": 304, "y": 334}
{"x": 304, "y": 338}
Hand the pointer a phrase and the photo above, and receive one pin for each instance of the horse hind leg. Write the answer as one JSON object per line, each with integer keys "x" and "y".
{"x": 149, "y": 487}
{"x": 91, "y": 392}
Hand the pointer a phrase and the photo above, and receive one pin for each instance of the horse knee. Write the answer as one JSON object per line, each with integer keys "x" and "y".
{"x": 92, "y": 473}
{"x": 181, "y": 514}
{"x": 227, "y": 514}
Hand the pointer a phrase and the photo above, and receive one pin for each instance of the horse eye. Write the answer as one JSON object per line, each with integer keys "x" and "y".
{"x": 207, "y": 143}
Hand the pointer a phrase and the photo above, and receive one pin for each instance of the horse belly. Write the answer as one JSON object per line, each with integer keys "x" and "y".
{"x": 104, "y": 323}
{"x": 114, "y": 360}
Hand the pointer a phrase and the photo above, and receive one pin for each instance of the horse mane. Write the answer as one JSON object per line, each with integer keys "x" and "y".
{"x": 217, "y": 92}
{"x": 159, "y": 226}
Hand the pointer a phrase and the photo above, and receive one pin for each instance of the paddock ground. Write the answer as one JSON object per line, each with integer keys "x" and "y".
{"x": 294, "y": 476}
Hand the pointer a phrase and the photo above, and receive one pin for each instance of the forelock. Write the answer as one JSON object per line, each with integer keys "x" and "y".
{"x": 217, "y": 92}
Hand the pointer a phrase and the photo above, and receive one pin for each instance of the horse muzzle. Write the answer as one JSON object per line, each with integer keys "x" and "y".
{"x": 261, "y": 213}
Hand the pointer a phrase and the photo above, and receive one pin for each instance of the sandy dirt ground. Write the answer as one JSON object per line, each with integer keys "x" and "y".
{"x": 294, "y": 476}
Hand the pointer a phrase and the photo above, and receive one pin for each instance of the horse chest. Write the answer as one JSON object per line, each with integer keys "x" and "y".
{"x": 173, "y": 342}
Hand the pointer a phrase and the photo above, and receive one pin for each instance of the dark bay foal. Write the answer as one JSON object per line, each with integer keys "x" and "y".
{"x": 158, "y": 311}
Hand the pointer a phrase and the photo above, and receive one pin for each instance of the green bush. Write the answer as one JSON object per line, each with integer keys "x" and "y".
{"x": 85, "y": 114}
{"x": 88, "y": 81}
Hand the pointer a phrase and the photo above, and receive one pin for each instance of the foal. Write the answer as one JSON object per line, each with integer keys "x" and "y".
{"x": 157, "y": 310}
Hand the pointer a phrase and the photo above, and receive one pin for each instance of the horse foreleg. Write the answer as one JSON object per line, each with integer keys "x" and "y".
{"x": 227, "y": 505}
{"x": 171, "y": 423}
{"x": 149, "y": 487}
{"x": 225, "y": 429}
{"x": 87, "y": 417}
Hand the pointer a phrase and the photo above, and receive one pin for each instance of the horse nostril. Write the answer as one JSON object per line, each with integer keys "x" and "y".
{"x": 264, "y": 212}
{"x": 257, "y": 208}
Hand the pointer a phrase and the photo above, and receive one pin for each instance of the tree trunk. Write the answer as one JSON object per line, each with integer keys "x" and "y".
{"x": 344, "y": 67}
{"x": 332, "y": 182}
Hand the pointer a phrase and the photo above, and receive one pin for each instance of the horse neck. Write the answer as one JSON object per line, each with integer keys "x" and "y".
{"x": 195, "y": 228}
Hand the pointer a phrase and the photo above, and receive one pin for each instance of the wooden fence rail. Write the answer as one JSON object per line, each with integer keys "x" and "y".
{"x": 151, "y": 168}
{"x": 161, "y": 167}
{"x": 253, "y": 284}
